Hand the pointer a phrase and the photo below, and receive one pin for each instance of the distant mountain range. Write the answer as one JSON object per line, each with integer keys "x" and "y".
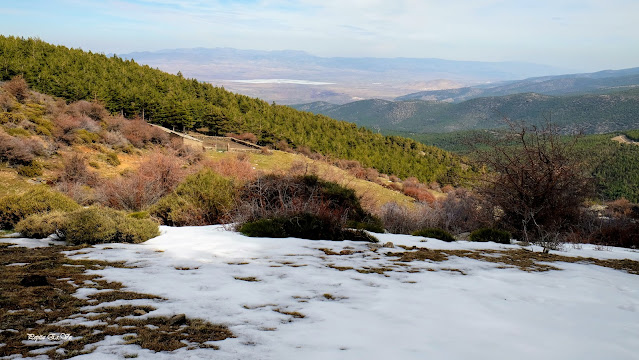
{"x": 606, "y": 109}
{"x": 348, "y": 79}
{"x": 548, "y": 85}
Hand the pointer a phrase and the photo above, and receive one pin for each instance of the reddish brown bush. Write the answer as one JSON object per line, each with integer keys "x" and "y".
{"x": 157, "y": 176}
{"x": 115, "y": 123}
{"x": 83, "y": 108}
{"x": 447, "y": 188}
{"x": 620, "y": 207}
{"x": 18, "y": 151}
{"x": 233, "y": 167}
{"x": 464, "y": 211}
{"x": 76, "y": 171}
{"x": 17, "y": 87}
{"x": 371, "y": 174}
{"x": 139, "y": 133}
{"x": 394, "y": 178}
{"x": 419, "y": 194}
{"x": 6, "y": 102}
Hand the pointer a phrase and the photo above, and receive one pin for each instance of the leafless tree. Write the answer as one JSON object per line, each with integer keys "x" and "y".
{"x": 535, "y": 177}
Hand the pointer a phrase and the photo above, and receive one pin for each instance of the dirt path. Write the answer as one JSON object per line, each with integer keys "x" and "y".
{"x": 623, "y": 139}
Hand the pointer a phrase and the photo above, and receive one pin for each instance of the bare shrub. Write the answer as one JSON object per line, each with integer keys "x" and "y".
{"x": 75, "y": 170}
{"x": 394, "y": 178}
{"x": 537, "y": 179}
{"x": 232, "y": 167}
{"x": 250, "y": 137}
{"x": 19, "y": 151}
{"x": 83, "y": 108}
{"x": 190, "y": 154}
{"x": 419, "y": 193}
{"x": 157, "y": 176}
{"x": 371, "y": 174}
{"x": 464, "y": 211}
{"x": 17, "y": 87}
{"x": 400, "y": 219}
{"x": 6, "y": 102}
{"x": 115, "y": 123}
{"x": 447, "y": 188}
{"x": 139, "y": 133}
{"x": 273, "y": 196}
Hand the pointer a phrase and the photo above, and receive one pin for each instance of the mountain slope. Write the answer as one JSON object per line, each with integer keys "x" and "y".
{"x": 607, "y": 80}
{"x": 125, "y": 87}
{"x": 590, "y": 113}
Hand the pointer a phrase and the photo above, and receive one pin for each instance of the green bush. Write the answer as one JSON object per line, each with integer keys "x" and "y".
{"x": 40, "y": 226}
{"x": 435, "y": 233}
{"x": 489, "y": 234}
{"x": 112, "y": 159}
{"x": 202, "y": 199}
{"x": 95, "y": 225}
{"x": 31, "y": 170}
{"x": 14, "y": 208}
{"x": 305, "y": 226}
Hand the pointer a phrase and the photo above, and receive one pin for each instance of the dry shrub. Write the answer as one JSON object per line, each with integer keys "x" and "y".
{"x": 394, "y": 186}
{"x": 77, "y": 181}
{"x": 6, "y": 102}
{"x": 139, "y": 133}
{"x": 463, "y": 211}
{"x": 419, "y": 193}
{"x": 371, "y": 174}
{"x": 250, "y": 137}
{"x": 157, "y": 176}
{"x": 115, "y": 123}
{"x": 394, "y": 178}
{"x": 283, "y": 145}
{"x": 236, "y": 167}
{"x": 83, "y": 108}
{"x": 18, "y": 151}
{"x": 17, "y": 87}
{"x": 620, "y": 207}
{"x": 272, "y": 196}
{"x": 190, "y": 154}
{"x": 447, "y": 188}
{"x": 304, "y": 150}
{"x": 399, "y": 219}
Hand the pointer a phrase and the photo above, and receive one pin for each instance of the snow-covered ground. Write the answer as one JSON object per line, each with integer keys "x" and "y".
{"x": 456, "y": 309}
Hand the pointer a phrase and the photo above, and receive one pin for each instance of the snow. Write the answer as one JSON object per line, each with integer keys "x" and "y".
{"x": 415, "y": 310}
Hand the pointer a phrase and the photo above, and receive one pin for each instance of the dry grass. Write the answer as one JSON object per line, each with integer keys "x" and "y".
{"x": 521, "y": 259}
{"x": 39, "y": 309}
{"x": 247, "y": 278}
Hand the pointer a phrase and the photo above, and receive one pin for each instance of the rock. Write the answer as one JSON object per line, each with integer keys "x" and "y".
{"x": 346, "y": 252}
{"x": 178, "y": 319}
{"x": 34, "y": 280}
{"x": 139, "y": 312}
{"x": 389, "y": 245}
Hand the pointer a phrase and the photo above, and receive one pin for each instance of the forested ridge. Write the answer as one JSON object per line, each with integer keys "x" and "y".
{"x": 123, "y": 86}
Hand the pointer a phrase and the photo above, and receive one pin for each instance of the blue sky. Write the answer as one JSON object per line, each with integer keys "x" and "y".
{"x": 574, "y": 34}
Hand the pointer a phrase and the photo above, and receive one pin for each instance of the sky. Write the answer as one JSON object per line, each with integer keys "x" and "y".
{"x": 576, "y": 34}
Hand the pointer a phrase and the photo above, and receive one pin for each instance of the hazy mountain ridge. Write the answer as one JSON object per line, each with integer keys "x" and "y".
{"x": 549, "y": 85}
{"x": 352, "y": 78}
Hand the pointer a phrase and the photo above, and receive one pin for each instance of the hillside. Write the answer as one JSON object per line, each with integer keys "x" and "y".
{"x": 591, "y": 113}
{"x": 133, "y": 90}
{"x": 613, "y": 165}
{"x": 602, "y": 81}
